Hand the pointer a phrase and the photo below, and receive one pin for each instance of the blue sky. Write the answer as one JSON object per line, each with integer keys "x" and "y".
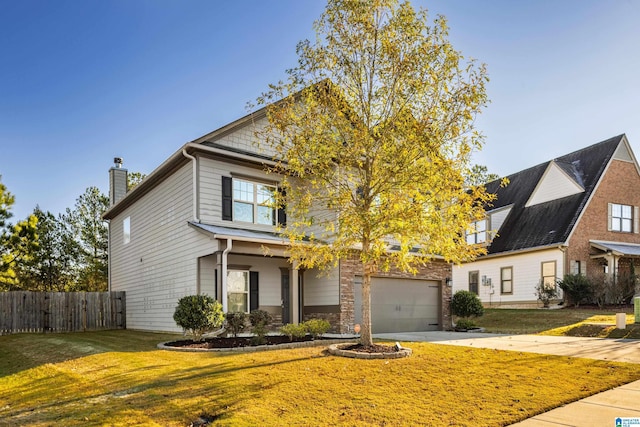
{"x": 84, "y": 81}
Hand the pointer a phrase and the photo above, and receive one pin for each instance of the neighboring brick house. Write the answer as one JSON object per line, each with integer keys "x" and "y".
{"x": 200, "y": 223}
{"x": 574, "y": 214}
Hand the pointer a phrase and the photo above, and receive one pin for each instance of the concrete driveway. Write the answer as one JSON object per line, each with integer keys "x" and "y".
{"x": 619, "y": 350}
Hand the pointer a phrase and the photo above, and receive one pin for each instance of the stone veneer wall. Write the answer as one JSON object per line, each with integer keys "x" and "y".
{"x": 352, "y": 267}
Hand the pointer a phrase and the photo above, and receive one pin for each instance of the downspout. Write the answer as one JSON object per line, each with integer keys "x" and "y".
{"x": 224, "y": 274}
{"x": 194, "y": 162}
{"x": 109, "y": 274}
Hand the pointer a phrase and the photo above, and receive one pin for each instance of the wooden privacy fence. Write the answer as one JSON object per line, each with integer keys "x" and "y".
{"x": 61, "y": 311}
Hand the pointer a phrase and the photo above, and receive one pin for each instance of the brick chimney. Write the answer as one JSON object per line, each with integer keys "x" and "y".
{"x": 117, "y": 181}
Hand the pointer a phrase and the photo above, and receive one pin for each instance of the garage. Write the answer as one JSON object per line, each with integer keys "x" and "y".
{"x": 400, "y": 305}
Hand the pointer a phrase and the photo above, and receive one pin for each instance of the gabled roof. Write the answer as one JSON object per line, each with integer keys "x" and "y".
{"x": 550, "y": 222}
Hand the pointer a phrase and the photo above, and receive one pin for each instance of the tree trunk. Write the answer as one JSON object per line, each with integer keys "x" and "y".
{"x": 365, "y": 331}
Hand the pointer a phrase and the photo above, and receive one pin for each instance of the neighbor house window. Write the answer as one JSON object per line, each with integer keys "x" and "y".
{"x": 473, "y": 281}
{"x": 620, "y": 218}
{"x": 549, "y": 274}
{"x": 126, "y": 230}
{"x": 477, "y": 232}
{"x": 506, "y": 280}
{"x": 238, "y": 291}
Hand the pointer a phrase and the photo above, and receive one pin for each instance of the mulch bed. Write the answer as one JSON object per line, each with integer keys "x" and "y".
{"x": 233, "y": 342}
{"x": 375, "y": 348}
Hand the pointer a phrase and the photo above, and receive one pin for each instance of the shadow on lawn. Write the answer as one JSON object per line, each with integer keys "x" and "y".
{"x": 19, "y": 352}
{"x": 151, "y": 390}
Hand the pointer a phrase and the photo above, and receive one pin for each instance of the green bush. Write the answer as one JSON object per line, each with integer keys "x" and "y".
{"x": 546, "y": 292}
{"x": 577, "y": 288}
{"x": 259, "y": 319}
{"x": 236, "y": 322}
{"x": 464, "y": 324}
{"x": 317, "y": 327}
{"x": 198, "y": 314}
{"x": 294, "y": 331}
{"x": 466, "y": 304}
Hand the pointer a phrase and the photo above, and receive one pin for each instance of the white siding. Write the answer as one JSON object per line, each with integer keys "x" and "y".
{"x": 497, "y": 219}
{"x": 554, "y": 184}
{"x": 321, "y": 288}
{"x": 622, "y": 153}
{"x": 526, "y": 275}
{"x": 159, "y": 265}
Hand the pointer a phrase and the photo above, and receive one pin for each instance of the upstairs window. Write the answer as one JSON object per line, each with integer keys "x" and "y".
{"x": 477, "y": 232}
{"x": 249, "y": 201}
{"x": 126, "y": 230}
{"x": 620, "y": 218}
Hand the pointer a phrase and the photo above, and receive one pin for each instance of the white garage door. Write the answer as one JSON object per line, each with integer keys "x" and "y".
{"x": 400, "y": 305}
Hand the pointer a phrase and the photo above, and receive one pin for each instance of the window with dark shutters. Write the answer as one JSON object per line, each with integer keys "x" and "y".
{"x": 282, "y": 210}
{"x": 227, "y": 199}
{"x": 253, "y": 291}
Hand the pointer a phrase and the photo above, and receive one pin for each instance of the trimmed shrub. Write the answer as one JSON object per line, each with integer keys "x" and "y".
{"x": 259, "y": 320}
{"x": 294, "y": 331}
{"x": 464, "y": 324}
{"x": 317, "y": 327}
{"x": 577, "y": 288}
{"x": 198, "y": 314}
{"x": 466, "y": 304}
{"x": 236, "y": 322}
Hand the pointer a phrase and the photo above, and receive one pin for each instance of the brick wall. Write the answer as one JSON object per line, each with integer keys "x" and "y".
{"x": 352, "y": 267}
{"x": 620, "y": 184}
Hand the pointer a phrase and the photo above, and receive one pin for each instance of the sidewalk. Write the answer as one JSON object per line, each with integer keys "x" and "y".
{"x": 598, "y": 410}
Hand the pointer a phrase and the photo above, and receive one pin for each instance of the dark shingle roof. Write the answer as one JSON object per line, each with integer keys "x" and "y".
{"x": 550, "y": 222}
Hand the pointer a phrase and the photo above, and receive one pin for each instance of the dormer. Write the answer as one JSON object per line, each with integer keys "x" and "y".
{"x": 559, "y": 180}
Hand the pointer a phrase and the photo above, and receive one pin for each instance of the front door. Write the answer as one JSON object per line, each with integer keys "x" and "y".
{"x": 285, "y": 296}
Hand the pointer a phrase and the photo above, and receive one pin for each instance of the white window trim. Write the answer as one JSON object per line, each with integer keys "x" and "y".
{"x": 635, "y": 215}
{"x": 476, "y": 234}
{"x": 255, "y": 204}
{"x": 247, "y": 287}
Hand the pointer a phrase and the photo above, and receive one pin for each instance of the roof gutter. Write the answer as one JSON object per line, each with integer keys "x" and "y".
{"x": 520, "y": 251}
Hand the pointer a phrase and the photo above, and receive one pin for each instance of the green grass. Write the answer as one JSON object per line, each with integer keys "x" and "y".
{"x": 536, "y": 321}
{"x": 120, "y": 378}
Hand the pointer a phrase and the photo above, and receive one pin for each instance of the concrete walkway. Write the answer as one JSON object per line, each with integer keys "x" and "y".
{"x": 598, "y": 410}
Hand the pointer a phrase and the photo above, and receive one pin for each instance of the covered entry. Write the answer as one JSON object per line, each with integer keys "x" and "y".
{"x": 400, "y": 305}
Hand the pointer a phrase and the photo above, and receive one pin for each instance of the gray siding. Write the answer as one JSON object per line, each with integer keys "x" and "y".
{"x": 322, "y": 288}
{"x": 159, "y": 265}
{"x": 210, "y": 175}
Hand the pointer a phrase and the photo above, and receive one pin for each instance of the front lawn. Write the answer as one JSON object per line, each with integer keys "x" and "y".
{"x": 119, "y": 378}
{"x": 535, "y": 321}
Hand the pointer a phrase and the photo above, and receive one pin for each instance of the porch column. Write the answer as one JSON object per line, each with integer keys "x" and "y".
{"x": 225, "y": 254}
{"x": 293, "y": 289}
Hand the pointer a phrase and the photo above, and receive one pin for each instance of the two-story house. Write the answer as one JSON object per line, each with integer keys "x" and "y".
{"x": 202, "y": 223}
{"x": 575, "y": 214}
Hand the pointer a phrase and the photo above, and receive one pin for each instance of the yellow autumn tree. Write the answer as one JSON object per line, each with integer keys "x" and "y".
{"x": 374, "y": 130}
